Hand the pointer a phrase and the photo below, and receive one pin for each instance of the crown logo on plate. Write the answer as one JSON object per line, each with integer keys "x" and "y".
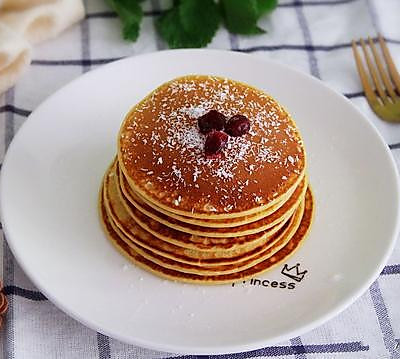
{"x": 294, "y": 272}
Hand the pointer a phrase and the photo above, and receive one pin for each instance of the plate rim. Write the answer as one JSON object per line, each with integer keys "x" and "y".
{"x": 253, "y": 345}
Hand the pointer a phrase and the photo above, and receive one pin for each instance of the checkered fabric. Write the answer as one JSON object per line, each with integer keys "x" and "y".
{"x": 313, "y": 36}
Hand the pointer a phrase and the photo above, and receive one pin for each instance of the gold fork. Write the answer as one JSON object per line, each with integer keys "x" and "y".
{"x": 383, "y": 100}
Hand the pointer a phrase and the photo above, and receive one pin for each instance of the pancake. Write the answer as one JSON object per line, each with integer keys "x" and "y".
{"x": 144, "y": 234}
{"x": 178, "y": 260}
{"x": 281, "y": 255}
{"x": 161, "y": 150}
{"x": 143, "y": 205}
{"x": 230, "y": 252}
{"x": 208, "y": 219}
{"x": 161, "y": 224}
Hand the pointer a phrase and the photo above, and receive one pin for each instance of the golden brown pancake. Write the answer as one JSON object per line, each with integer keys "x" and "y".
{"x": 190, "y": 261}
{"x": 229, "y": 252}
{"x": 157, "y": 222}
{"x": 161, "y": 150}
{"x": 184, "y": 216}
{"x": 141, "y": 203}
{"x": 144, "y": 234}
{"x": 173, "y": 274}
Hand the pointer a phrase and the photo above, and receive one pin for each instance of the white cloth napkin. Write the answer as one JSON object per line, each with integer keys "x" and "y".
{"x": 313, "y": 36}
{"x": 27, "y": 22}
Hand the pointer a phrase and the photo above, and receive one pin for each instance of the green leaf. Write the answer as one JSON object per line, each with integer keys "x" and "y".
{"x": 200, "y": 17}
{"x": 191, "y": 23}
{"x": 171, "y": 30}
{"x": 258, "y": 31}
{"x": 130, "y": 14}
{"x": 266, "y": 6}
{"x": 241, "y": 16}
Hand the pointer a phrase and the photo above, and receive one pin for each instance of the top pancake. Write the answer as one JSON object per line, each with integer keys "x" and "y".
{"x": 161, "y": 150}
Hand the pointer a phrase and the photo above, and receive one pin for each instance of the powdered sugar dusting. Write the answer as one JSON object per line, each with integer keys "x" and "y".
{"x": 193, "y": 111}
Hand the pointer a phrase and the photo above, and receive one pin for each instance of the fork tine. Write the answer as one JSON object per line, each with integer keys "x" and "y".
{"x": 382, "y": 71}
{"x": 369, "y": 93}
{"x": 389, "y": 62}
{"x": 373, "y": 73}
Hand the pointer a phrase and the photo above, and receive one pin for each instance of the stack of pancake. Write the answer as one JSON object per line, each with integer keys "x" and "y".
{"x": 175, "y": 212}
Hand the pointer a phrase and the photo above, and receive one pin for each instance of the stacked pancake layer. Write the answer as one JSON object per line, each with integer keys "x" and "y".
{"x": 183, "y": 216}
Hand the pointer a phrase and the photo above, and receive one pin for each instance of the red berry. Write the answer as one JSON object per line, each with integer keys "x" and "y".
{"x": 238, "y": 125}
{"x": 215, "y": 142}
{"x": 212, "y": 120}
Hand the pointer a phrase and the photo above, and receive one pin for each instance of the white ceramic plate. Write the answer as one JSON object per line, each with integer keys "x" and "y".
{"x": 50, "y": 182}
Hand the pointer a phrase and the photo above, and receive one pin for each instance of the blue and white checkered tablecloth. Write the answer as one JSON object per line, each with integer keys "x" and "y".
{"x": 313, "y": 36}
